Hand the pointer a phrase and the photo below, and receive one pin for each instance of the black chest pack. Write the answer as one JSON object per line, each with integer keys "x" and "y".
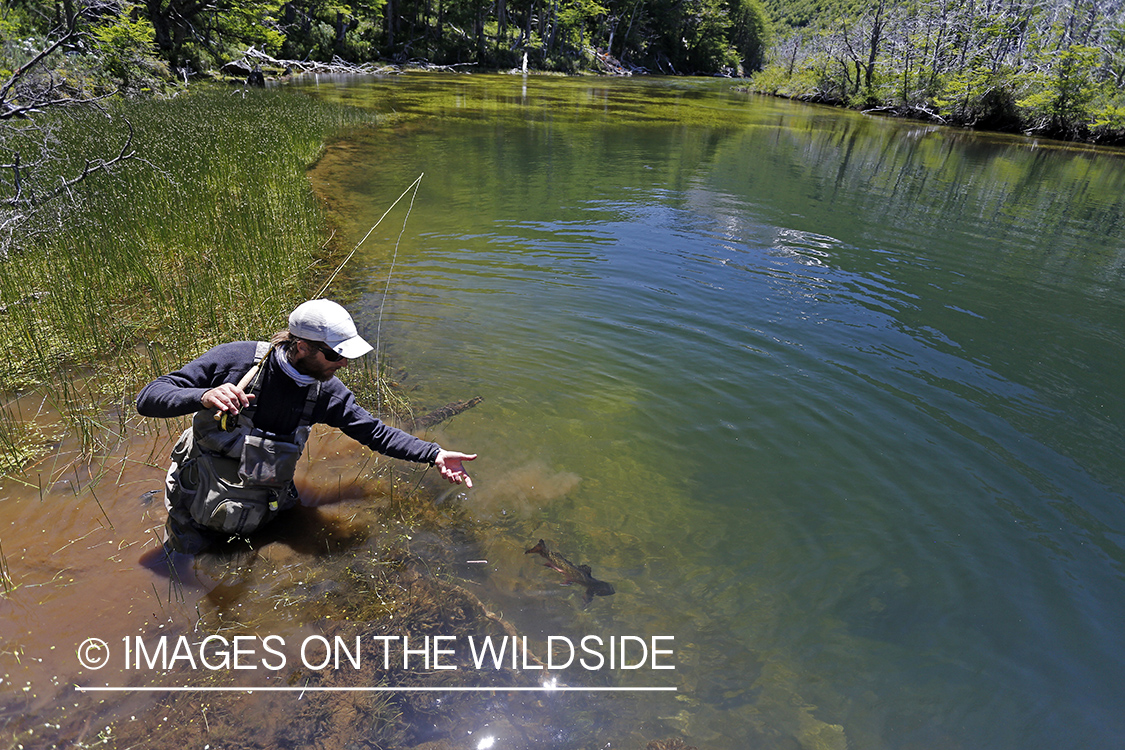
{"x": 234, "y": 477}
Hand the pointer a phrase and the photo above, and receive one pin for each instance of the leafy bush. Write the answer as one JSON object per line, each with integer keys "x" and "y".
{"x": 128, "y": 46}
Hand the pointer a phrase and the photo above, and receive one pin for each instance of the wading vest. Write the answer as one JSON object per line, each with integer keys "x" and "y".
{"x": 235, "y": 480}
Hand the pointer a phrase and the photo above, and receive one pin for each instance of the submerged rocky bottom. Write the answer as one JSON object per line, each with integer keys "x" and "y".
{"x": 341, "y": 597}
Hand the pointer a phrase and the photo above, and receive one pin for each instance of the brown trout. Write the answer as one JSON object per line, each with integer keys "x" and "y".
{"x": 573, "y": 573}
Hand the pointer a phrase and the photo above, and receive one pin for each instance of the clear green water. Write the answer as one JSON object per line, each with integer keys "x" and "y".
{"x": 834, "y": 401}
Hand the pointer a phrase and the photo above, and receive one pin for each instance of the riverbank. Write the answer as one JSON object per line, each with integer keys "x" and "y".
{"x": 1037, "y": 77}
{"x": 1013, "y": 126}
{"x": 1010, "y": 120}
{"x": 209, "y": 233}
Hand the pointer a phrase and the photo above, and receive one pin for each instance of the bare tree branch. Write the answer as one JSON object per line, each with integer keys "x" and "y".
{"x": 93, "y": 166}
{"x": 32, "y": 160}
{"x": 29, "y": 66}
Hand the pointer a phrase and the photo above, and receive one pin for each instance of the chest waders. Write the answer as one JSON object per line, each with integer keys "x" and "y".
{"x": 234, "y": 481}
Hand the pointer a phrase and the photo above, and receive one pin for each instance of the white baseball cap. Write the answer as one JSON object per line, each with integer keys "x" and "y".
{"x": 324, "y": 320}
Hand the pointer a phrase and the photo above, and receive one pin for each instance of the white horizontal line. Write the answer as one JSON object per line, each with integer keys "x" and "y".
{"x": 311, "y": 689}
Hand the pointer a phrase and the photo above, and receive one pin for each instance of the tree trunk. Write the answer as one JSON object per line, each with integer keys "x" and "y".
{"x": 876, "y": 34}
{"x": 554, "y": 25}
{"x": 389, "y": 14}
{"x": 628, "y": 31}
{"x": 798, "y": 38}
{"x": 341, "y": 29}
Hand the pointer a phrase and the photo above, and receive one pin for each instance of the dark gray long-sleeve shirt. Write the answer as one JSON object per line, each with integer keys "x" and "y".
{"x": 279, "y": 402}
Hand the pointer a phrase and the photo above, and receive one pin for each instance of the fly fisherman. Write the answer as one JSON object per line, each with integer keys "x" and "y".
{"x": 254, "y": 402}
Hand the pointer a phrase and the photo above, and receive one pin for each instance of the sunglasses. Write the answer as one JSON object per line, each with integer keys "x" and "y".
{"x": 329, "y": 354}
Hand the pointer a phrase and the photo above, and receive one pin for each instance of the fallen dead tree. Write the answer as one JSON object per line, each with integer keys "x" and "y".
{"x": 254, "y": 59}
{"x": 610, "y": 65}
{"x": 913, "y": 112}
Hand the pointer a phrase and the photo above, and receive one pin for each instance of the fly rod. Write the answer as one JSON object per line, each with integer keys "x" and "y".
{"x": 332, "y": 278}
{"x": 413, "y": 189}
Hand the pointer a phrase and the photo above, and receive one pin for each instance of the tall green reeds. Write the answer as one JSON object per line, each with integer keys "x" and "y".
{"x": 211, "y": 234}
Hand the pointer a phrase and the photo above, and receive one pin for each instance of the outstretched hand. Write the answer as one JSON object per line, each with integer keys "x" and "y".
{"x": 449, "y": 464}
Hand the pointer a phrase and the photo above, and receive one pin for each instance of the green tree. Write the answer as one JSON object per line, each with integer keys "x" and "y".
{"x": 1064, "y": 100}
{"x": 324, "y": 29}
{"x": 127, "y": 45}
{"x": 202, "y": 33}
{"x": 749, "y": 32}
{"x": 1051, "y": 66}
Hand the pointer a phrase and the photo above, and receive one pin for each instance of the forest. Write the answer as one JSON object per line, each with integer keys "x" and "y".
{"x": 194, "y": 36}
{"x": 1041, "y": 67}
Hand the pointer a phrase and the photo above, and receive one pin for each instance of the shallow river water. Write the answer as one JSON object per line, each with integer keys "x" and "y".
{"x": 835, "y": 401}
{"x": 832, "y": 401}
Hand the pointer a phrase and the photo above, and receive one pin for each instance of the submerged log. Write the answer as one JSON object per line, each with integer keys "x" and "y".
{"x": 443, "y": 413}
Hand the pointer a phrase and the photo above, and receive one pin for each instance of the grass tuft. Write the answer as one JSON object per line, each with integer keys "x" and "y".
{"x": 212, "y": 234}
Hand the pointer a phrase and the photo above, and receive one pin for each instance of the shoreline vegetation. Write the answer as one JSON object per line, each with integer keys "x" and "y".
{"x": 1041, "y": 69}
{"x": 122, "y": 281}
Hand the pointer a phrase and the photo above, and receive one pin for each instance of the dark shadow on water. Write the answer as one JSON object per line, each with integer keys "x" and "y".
{"x": 223, "y": 570}
{"x": 309, "y": 531}
{"x": 172, "y": 565}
